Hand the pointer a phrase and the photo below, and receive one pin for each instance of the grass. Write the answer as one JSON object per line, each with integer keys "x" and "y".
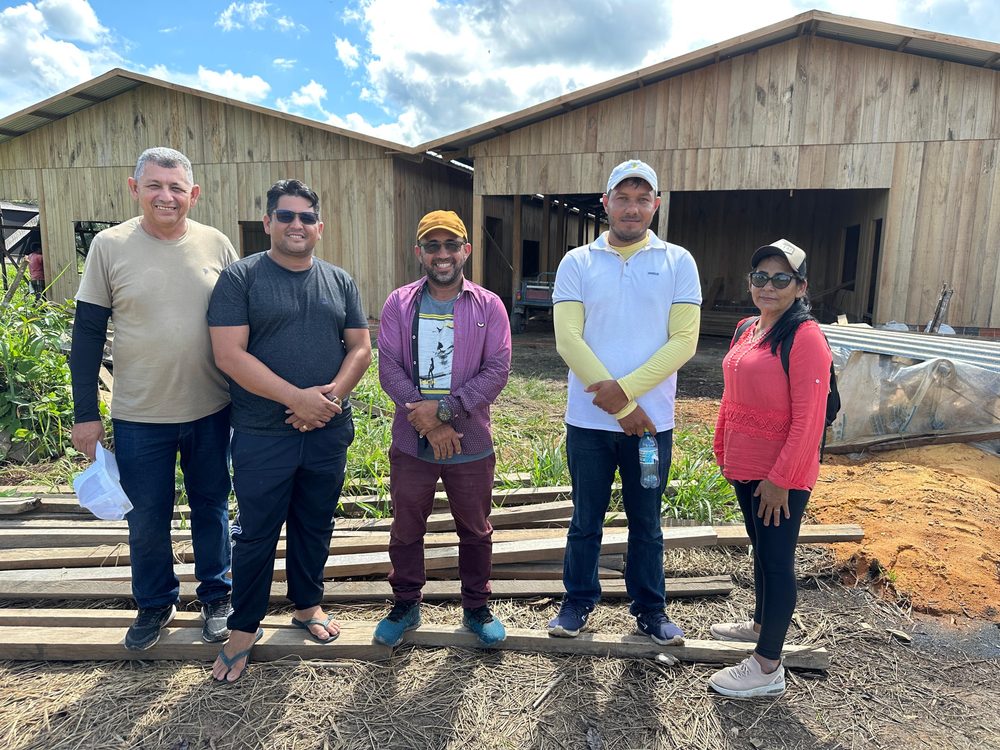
{"x": 528, "y": 429}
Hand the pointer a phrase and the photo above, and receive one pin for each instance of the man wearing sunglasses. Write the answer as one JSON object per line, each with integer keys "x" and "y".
{"x": 627, "y": 309}
{"x": 444, "y": 357}
{"x": 289, "y": 330}
{"x": 154, "y": 276}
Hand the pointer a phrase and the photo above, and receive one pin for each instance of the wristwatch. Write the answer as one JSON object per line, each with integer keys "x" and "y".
{"x": 444, "y": 412}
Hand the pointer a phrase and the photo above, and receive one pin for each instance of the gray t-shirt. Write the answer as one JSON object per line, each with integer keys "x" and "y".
{"x": 297, "y": 321}
{"x": 436, "y": 350}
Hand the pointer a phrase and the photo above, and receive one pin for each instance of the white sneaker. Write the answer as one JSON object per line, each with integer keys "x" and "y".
{"x": 746, "y": 680}
{"x": 735, "y": 631}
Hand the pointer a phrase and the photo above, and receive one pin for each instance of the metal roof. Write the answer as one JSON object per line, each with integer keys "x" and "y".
{"x": 919, "y": 346}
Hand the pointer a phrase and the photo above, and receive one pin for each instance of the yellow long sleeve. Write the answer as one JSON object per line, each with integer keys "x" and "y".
{"x": 568, "y": 319}
{"x": 685, "y": 322}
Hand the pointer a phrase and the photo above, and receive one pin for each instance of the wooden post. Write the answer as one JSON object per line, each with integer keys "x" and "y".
{"x": 3, "y": 253}
{"x": 560, "y": 233}
{"x": 661, "y": 229}
{"x": 516, "y": 259}
{"x": 477, "y": 240}
{"x": 543, "y": 254}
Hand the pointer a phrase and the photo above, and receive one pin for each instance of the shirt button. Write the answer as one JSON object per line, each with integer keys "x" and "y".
{"x": 413, "y": 337}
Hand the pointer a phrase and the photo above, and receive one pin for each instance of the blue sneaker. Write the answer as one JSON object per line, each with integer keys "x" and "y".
{"x": 572, "y": 618}
{"x": 488, "y": 629}
{"x": 403, "y": 616}
{"x": 658, "y": 626}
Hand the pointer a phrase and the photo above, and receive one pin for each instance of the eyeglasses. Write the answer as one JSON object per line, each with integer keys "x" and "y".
{"x": 306, "y": 217}
{"x": 779, "y": 281}
{"x": 452, "y": 246}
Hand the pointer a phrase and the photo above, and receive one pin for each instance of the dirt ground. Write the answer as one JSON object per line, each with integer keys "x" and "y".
{"x": 931, "y": 522}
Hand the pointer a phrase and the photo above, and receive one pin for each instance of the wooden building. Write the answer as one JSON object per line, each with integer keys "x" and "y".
{"x": 874, "y": 147}
{"x": 74, "y": 153}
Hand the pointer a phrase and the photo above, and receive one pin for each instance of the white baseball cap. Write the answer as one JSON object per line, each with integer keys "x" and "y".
{"x": 794, "y": 254}
{"x": 631, "y": 168}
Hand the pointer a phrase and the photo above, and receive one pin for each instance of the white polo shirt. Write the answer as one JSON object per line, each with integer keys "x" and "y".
{"x": 626, "y": 318}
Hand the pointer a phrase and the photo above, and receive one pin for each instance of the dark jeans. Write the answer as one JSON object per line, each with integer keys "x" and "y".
{"x": 147, "y": 459}
{"x": 773, "y": 565}
{"x": 470, "y": 500}
{"x": 593, "y": 457}
{"x": 291, "y": 480}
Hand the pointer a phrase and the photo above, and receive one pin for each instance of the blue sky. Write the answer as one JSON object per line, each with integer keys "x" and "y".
{"x": 405, "y": 70}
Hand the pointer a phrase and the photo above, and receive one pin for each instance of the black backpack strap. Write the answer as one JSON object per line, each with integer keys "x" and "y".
{"x": 786, "y": 350}
{"x": 741, "y": 329}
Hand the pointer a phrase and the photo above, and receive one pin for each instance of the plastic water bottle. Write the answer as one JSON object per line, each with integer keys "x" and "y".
{"x": 649, "y": 461}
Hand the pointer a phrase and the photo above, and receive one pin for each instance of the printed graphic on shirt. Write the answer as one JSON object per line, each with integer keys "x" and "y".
{"x": 436, "y": 347}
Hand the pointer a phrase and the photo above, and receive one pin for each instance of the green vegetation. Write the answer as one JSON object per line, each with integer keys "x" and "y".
{"x": 36, "y": 408}
{"x": 36, "y": 404}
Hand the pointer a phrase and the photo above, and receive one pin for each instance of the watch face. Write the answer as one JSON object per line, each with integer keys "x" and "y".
{"x": 443, "y": 412}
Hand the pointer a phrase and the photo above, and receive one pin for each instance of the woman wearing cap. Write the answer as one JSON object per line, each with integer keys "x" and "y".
{"x": 767, "y": 444}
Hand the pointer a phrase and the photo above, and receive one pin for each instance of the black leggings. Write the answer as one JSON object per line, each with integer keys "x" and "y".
{"x": 773, "y": 565}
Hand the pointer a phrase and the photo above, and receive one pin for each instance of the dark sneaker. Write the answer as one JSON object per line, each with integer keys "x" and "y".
{"x": 488, "y": 629}
{"x": 658, "y": 626}
{"x": 216, "y": 614}
{"x": 145, "y": 631}
{"x": 403, "y": 616}
{"x": 572, "y": 618}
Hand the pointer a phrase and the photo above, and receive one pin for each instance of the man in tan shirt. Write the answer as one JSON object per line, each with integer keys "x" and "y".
{"x": 154, "y": 276}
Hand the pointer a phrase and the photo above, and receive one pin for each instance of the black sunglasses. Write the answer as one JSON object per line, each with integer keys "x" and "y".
{"x": 306, "y": 217}
{"x": 433, "y": 247}
{"x": 779, "y": 281}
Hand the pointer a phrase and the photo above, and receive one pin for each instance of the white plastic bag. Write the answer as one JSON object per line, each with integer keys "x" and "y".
{"x": 99, "y": 488}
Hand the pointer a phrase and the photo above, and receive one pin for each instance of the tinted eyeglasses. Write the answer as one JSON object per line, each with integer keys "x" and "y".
{"x": 779, "y": 281}
{"x": 306, "y": 217}
{"x": 452, "y": 246}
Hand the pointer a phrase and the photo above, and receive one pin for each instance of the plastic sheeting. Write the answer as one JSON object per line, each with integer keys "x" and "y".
{"x": 883, "y": 394}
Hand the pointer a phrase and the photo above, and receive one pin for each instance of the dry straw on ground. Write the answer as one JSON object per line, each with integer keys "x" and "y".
{"x": 879, "y": 693}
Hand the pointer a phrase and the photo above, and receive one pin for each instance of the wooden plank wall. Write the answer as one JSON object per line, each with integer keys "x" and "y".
{"x": 722, "y": 229}
{"x": 806, "y": 114}
{"x": 419, "y": 189}
{"x": 78, "y": 169}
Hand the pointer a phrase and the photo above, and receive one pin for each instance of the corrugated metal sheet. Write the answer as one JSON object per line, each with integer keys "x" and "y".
{"x": 66, "y": 106}
{"x": 919, "y": 346}
{"x": 858, "y": 36}
{"x": 112, "y": 87}
{"x": 942, "y": 51}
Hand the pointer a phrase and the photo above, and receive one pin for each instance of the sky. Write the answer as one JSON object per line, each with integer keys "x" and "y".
{"x": 407, "y": 71}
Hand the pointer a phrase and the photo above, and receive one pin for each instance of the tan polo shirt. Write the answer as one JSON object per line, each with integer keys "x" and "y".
{"x": 158, "y": 292}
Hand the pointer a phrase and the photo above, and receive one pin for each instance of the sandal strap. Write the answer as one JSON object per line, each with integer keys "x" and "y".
{"x": 230, "y": 660}
{"x": 307, "y": 623}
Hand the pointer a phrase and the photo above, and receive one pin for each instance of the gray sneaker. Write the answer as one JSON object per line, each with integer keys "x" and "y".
{"x": 735, "y": 631}
{"x": 215, "y": 614}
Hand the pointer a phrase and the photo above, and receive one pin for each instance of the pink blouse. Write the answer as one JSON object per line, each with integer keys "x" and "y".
{"x": 770, "y": 424}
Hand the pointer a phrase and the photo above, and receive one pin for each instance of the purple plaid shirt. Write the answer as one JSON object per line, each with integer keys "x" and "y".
{"x": 479, "y": 369}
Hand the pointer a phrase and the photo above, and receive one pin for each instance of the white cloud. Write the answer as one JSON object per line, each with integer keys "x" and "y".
{"x": 440, "y": 65}
{"x": 232, "y": 85}
{"x": 171, "y": 30}
{"x": 284, "y": 64}
{"x": 36, "y": 63}
{"x": 72, "y": 19}
{"x": 347, "y": 53}
{"x": 310, "y": 95}
{"x": 254, "y": 15}
{"x": 238, "y": 15}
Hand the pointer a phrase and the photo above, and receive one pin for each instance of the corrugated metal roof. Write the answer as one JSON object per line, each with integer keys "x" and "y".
{"x": 941, "y": 51}
{"x": 919, "y": 346}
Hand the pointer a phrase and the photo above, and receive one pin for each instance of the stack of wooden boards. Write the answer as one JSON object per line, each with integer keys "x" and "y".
{"x": 51, "y": 549}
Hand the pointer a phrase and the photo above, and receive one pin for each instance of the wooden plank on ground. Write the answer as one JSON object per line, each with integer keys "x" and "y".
{"x": 899, "y": 441}
{"x": 620, "y": 646}
{"x": 378, "y": 563}
{"x": 354, "y": 591}
{"x": 735, "y": 536}
{"x": 12, "y": 506}
{"x": 36, "y": 643}
{"x": 551, "y": 571}
{"x": 184, "y": 643}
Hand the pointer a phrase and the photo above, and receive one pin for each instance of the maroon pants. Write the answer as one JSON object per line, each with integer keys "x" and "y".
{"x": 470, "y": 499}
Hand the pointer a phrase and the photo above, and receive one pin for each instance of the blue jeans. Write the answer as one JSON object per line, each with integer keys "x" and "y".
{"x": 593, "y": 456}
{"x": 147, "y": 459}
